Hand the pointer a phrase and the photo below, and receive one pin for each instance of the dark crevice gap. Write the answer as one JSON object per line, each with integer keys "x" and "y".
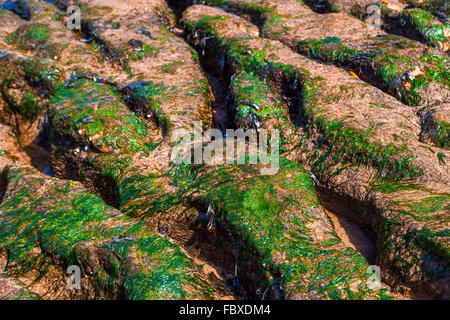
{"x": 254, "y": 16}
{"x": 140, "y": 105}
{"x": 103, "y": 186}
{"x": 178, "y": 7}
{"x": 354, "y": 222}
{"x": 320, "y": 6}
{"x": 40, "y": 158}
{"x": 221, "y": 112}
{"x": 39, "y": 150}
{"x": 19, "y": 7}
{"x": 217, "y": 70}
{"x": 220, "y": 246}
{"x": 239, "y": 265}
{"x": 290, "y": 87}
{"x": 361, "y": 66}
{"x": 215, "y": 243}
{"x": 3, "y": 186}
{"x": 397, "y": 26}
{"x": 218, "y": 73}
{"x": 68, "y": 157}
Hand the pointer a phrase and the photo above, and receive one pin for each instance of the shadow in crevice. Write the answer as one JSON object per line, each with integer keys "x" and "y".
{"x": 237, "y": 262}
{"x": 218, "y": 73}
{"x": 217, "y": 70}
{"x": 3, "y": 185}
{"x": 354, "y": 222}
{"x": 39, "y": 150}
{"x": 103, "y": 186}
{"x": 179, "y": 6}
{"x": 321, "y": 6}
{"x": 70, "y": 161}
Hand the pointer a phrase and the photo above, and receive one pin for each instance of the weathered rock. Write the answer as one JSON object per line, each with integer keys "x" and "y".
{"x": 410, "y": 71}
{"x": 107, "y": 101}
{"x": 358, "y": 181}
{"x": 47, "y": 222}
{"x": 10, "y": 289}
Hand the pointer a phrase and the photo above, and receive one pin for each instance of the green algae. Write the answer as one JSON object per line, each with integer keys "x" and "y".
{"x": 389, "y": 187}
{"x": 386, "y": 66}
{"x": 443, "y": 136}
{"x": 352, "y": 146}
{"x": 425, "y": 209}
{"x": 30, "y": 106}
{"x": 30, "y": 36}
{"x": 441, "y": 158}
{"x": 146, "y": 50}
{"x": 60, "y": 223}
{"x": 249, "y": 88}
{"x": 40, "y": 79}
{"x": 428, "y": 26}
{"x": 272, "y": 215}
{"x": 171, "y": 67}
{"x": 94, "y": 110}
{"x": 244, "y": 7}
{"x": 343, "y": 144}
{"x": 321, "y": 49}
{"x": 150, "y": 96}
{"x": 437, "y": 131}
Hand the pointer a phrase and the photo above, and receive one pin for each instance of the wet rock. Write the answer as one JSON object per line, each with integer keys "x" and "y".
{"x": 316, "y": 94}
{"x": 124, "y": 245}
{"x": 10, "y": 289}
{"x": 19, "y": 7}
{"x": 117, "y": 92}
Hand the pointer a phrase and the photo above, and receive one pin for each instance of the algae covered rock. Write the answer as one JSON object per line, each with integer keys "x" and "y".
{"x": 48, "y": 221}
{"x": 356, "y": 121}
{"x": 277, "y": 64}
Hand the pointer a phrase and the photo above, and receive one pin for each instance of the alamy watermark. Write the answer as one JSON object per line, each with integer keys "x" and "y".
{"x": 374, "y": 280}
{"x": 74, "y": 280}
{"x": 236, "y": 147}
{"x": 373, "y": 19}
{"x": 74, "y": 17}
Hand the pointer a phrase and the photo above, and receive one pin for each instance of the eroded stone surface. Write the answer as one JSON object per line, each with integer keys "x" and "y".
{"x": 102, "y": 103}
{"x": 355, "y": 182}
